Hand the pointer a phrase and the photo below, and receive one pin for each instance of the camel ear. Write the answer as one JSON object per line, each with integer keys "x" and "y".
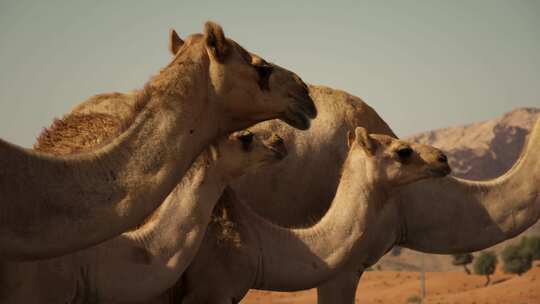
{"x": 215, "y": 41}
{"x": 175, "y": 42}
{"x": 350, "y": 138}
{"x": 364, "y": 141}
{"x": 214, "y": 151}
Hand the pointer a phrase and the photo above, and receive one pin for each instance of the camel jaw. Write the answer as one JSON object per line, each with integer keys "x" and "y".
{"x": 300, "y": 111}
{"x": 441, "y": 171}
{"x": 295, "y": 119}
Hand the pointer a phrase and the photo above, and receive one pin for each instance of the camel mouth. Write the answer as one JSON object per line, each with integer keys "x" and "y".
{"x": 296, "y": 118}
{"x": 441, "y": 171}
{"x": 300, "y": 112}
{"x": 305, "y": 104}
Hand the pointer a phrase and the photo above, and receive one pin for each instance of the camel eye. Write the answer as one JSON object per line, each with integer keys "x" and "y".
{"x": 264, "y": 70}
{"x": 404, "y": 152}
{"x": 246, "y": 138}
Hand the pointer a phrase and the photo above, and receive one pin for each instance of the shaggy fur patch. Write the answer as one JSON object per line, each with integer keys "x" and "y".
{"x": 223, "y": 222}
{"x": 78, "y": 133}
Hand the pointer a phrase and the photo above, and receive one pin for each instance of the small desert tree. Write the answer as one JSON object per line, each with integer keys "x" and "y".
{"x": 485, "y": 264}
{"x": 531, "y": 245}
{"x": 462, "y": 259}
{"x": 516, "y": 259}
{"x": 414, "y": 299}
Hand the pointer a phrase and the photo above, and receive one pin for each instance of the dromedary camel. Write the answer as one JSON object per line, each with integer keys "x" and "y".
{"x": 141, "y": 264}
{"x": 431, "y": 216}
{"x": 52, "y": 205}
{"x": 287, "y": 259}
{"x": 443, "y": 216}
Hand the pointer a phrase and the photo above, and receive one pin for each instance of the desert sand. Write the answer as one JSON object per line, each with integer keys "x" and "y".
{"x": 453, "y": 287}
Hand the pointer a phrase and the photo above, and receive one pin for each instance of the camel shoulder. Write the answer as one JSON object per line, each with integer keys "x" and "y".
{"x": 88, "y": 125}
{"x": 121, "y": 105}
{"x": 76, "y": 133}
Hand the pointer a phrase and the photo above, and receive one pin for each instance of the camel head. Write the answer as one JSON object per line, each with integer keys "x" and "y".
{"x": 243, "y": 85}
{"x": 393, "y": 161}
{"x": 245, "y": 151}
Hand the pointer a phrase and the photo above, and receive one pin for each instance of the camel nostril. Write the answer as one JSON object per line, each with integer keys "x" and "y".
{"x": 276, "y": 139}
{"x": 442, "y": 158}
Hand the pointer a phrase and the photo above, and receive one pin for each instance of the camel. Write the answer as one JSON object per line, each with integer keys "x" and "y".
{"x": 141, "y": 264}
{"x": 286, "y": 259}
{"x": 431, "y": 216}
{"x": 56, "y": 204}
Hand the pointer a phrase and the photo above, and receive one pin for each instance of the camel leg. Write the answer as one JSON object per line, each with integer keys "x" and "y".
{"x": 339, "y": 290}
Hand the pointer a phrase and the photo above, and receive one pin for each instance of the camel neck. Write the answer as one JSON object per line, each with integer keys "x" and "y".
{"x": 185, "y": 212}
{"x": 454, "y": 209}
{"x": 170, "y": 239}
{"x": 308, "y": 256}
{"x": 115, "y": 186}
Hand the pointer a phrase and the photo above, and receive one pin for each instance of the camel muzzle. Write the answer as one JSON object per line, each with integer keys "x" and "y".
{"x": 441, "y": 170}
{"x": 276, "y": 144}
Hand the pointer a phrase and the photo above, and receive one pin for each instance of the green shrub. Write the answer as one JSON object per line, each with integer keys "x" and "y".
{"x": 531, "y": 245}
{"x": 516, "y": 259}
{"x": 485, "y": 264}
{"x": 462, "y": 259}
{"x": 414, "y": 299}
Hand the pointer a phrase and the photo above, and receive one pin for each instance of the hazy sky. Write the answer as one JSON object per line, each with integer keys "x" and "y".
{"x": 420, "y": 64}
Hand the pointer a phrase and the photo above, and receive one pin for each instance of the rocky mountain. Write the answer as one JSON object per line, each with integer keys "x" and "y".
{"x": 478, "y": 151}
{"x": 486, "y": 149}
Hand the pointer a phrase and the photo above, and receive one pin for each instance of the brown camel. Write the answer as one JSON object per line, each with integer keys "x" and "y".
{"x": 275, "y": 258}
{"x": 141, "y": 264}
{"x": 53, "y": 205}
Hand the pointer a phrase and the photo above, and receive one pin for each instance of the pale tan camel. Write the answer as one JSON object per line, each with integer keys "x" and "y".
{"x": 52, "y": 205}
{"x": 444, "y": 216}
{"x": 287, "y": 259}
{"x": 142, "y": 264}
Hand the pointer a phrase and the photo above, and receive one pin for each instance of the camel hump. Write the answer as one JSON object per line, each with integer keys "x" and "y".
{"x": 349, "y": 108}
{"x": 77, "y": 133}
{"x": 89, "y": 125}
{"x": 121, "y": 105}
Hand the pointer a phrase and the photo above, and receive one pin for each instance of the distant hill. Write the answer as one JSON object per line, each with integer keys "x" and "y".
{"x": 486, "y": 149}
{"x": 477, "y": 151}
